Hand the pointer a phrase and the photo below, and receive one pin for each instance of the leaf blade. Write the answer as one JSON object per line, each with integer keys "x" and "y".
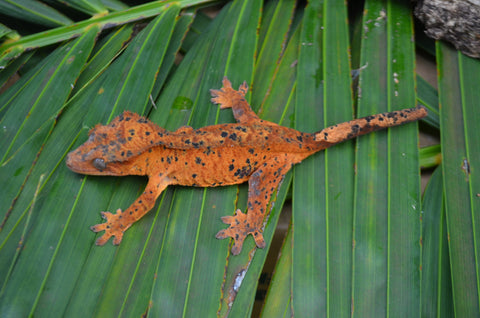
{"x": 458, "y": 131}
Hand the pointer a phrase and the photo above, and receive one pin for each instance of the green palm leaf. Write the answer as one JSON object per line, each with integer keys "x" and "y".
{"x": 323, "y": 184}
{"x": 459, "y": 122}
{"x": 34, "y": 11}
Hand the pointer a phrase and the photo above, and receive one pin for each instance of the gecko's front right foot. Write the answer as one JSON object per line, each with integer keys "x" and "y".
{"x": 113, "y": 226}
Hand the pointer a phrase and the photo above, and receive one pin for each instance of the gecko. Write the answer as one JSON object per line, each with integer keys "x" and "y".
{"x": 251, "y": 150}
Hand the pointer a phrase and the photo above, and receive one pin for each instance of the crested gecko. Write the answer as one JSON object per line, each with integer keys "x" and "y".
{"x": 253, "y": 150}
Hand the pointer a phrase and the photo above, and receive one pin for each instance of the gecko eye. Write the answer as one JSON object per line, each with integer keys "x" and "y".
{"x": 99, "y": 164}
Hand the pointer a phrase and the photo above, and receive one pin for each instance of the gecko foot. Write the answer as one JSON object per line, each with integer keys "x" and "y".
{"x": 238, "y": 230}
{"x": 112, "y": 227}
{"x": 226, "y": 95}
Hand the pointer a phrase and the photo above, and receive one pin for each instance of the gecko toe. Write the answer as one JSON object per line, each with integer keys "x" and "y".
{"x": 98, "y": 227}
{"x": 259, "y": 241}
{"x": 243, "y": 89}
{"x": 118, "y": 239}
{"x": 214, "y": 93}
{"x": 227, "y": 219}
{"x": 105, "y": 215}
{"x": 102, "y": 239}
{"x": 226, "y": 83}
{"x": 237, "y": 248}
{"x": 221, "y": 235}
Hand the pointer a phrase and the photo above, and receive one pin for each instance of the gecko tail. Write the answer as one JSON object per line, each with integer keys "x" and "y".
{"x": 361, "y": 126}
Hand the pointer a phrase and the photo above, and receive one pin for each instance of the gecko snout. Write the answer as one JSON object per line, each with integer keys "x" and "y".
{"x": 68, "y": 160}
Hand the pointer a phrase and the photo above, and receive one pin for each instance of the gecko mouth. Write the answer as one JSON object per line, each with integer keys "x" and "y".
{"x": 96, "y": 167}
{"x": 75, "y": 165}
{"x": 68, "y": 161}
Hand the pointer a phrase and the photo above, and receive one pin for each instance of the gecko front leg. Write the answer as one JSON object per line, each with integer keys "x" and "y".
{"x": 227, "y": 97}
{"x": 116, "y": 224}
{"x": 261, "y": 185}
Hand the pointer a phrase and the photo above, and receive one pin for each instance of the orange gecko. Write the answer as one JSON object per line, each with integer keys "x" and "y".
{"x": 253, "y": 150}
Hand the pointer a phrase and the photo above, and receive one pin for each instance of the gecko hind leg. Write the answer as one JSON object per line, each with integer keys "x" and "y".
{"x": 239, "y": 229}
{"x": 261, "y": 185}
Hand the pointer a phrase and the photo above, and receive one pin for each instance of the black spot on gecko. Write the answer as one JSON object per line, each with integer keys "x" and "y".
{"x": 244, "y": 172}
{"x": 392, "y": 115}
{"x": 224, "y": 134}
{"x": 355, "y": 129}
{"x": 233, "y": 136}
{"x": 241, "y": 128}
{"x": 208, "y": 151}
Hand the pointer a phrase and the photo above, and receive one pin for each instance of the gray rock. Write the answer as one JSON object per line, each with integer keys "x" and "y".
{"x": 455, "y": 21}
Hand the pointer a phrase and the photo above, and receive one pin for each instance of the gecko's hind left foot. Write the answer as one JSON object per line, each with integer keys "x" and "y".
{"x": 239, "y": 229}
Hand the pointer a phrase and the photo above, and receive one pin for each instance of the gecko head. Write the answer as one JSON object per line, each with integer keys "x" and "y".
{"x": 99, "y": 155}
{"x": 108, "y": 146}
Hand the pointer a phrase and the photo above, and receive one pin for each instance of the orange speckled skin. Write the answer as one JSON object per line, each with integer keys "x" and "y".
{"x": 252, "y": 150}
